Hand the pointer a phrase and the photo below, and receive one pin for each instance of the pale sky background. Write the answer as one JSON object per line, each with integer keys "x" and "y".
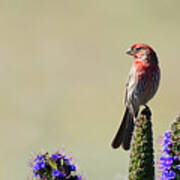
{"x": 62, "y": 76}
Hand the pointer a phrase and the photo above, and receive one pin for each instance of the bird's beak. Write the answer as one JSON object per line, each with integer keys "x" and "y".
{"x": 130, "y": 52}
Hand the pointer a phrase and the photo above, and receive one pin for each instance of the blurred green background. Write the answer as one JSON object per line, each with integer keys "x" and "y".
{"x": 62, "y": 76}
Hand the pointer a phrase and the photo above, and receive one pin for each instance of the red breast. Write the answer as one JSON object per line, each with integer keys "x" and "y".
{"x": 143, "y": 66}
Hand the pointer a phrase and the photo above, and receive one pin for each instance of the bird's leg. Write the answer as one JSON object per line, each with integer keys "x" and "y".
{"x": 135, "y": 120}
{"x": 146, "y": 106}
{"x": 135, "y": 117}
{"x": 146, "y": 111}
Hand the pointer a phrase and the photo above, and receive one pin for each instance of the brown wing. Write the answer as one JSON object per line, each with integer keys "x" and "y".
{"x": 131, "y": 86}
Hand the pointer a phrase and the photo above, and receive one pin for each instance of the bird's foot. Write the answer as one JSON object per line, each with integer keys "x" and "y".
{"x": 146, "y": 111}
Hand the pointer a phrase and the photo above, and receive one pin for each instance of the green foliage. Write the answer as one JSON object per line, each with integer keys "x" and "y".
{"x": 175, "y": 136}
{"x": 141, "y": 157}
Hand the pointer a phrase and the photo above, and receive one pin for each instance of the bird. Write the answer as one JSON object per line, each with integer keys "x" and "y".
{"x": 141, "y": 86}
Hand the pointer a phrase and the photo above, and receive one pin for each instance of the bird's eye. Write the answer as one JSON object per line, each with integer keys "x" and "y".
{"x": 137, "y": 49}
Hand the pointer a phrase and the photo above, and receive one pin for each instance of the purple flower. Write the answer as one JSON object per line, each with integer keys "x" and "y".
{"x": 72, "y": 167}
{"x": 176, "y": 158}
{"x": 39, "y": 165}
{"x": 54, "y": 157}
{"x": 166, "y": 159}
{"x": 43, "y": 166}
{"x": 166, "y": 150}
{"x": 38, "y": 157}
{"x": 178, "y": 167}
{"x": 167, "y": 142}
{"x": 167, "y": 134}
{"x": 36, "y": 167}
{"x": 35, "y": 173}
{"x": 169, "y": 158}
{"x": 55, "y": 173}
{"x": 166, "y": 162}
{"x": 170, "y": 174}
{"x": 67, "y": 161}
{"x": 78, "y": 178}
{"x": 60, "y": 156}
{"x": 62, "y": 174}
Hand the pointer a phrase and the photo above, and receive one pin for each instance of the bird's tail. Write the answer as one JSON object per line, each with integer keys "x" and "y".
{"x": 125, "y": 131}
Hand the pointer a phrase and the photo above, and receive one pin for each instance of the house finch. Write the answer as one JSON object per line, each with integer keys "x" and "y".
{"x": 141, "y": 86}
